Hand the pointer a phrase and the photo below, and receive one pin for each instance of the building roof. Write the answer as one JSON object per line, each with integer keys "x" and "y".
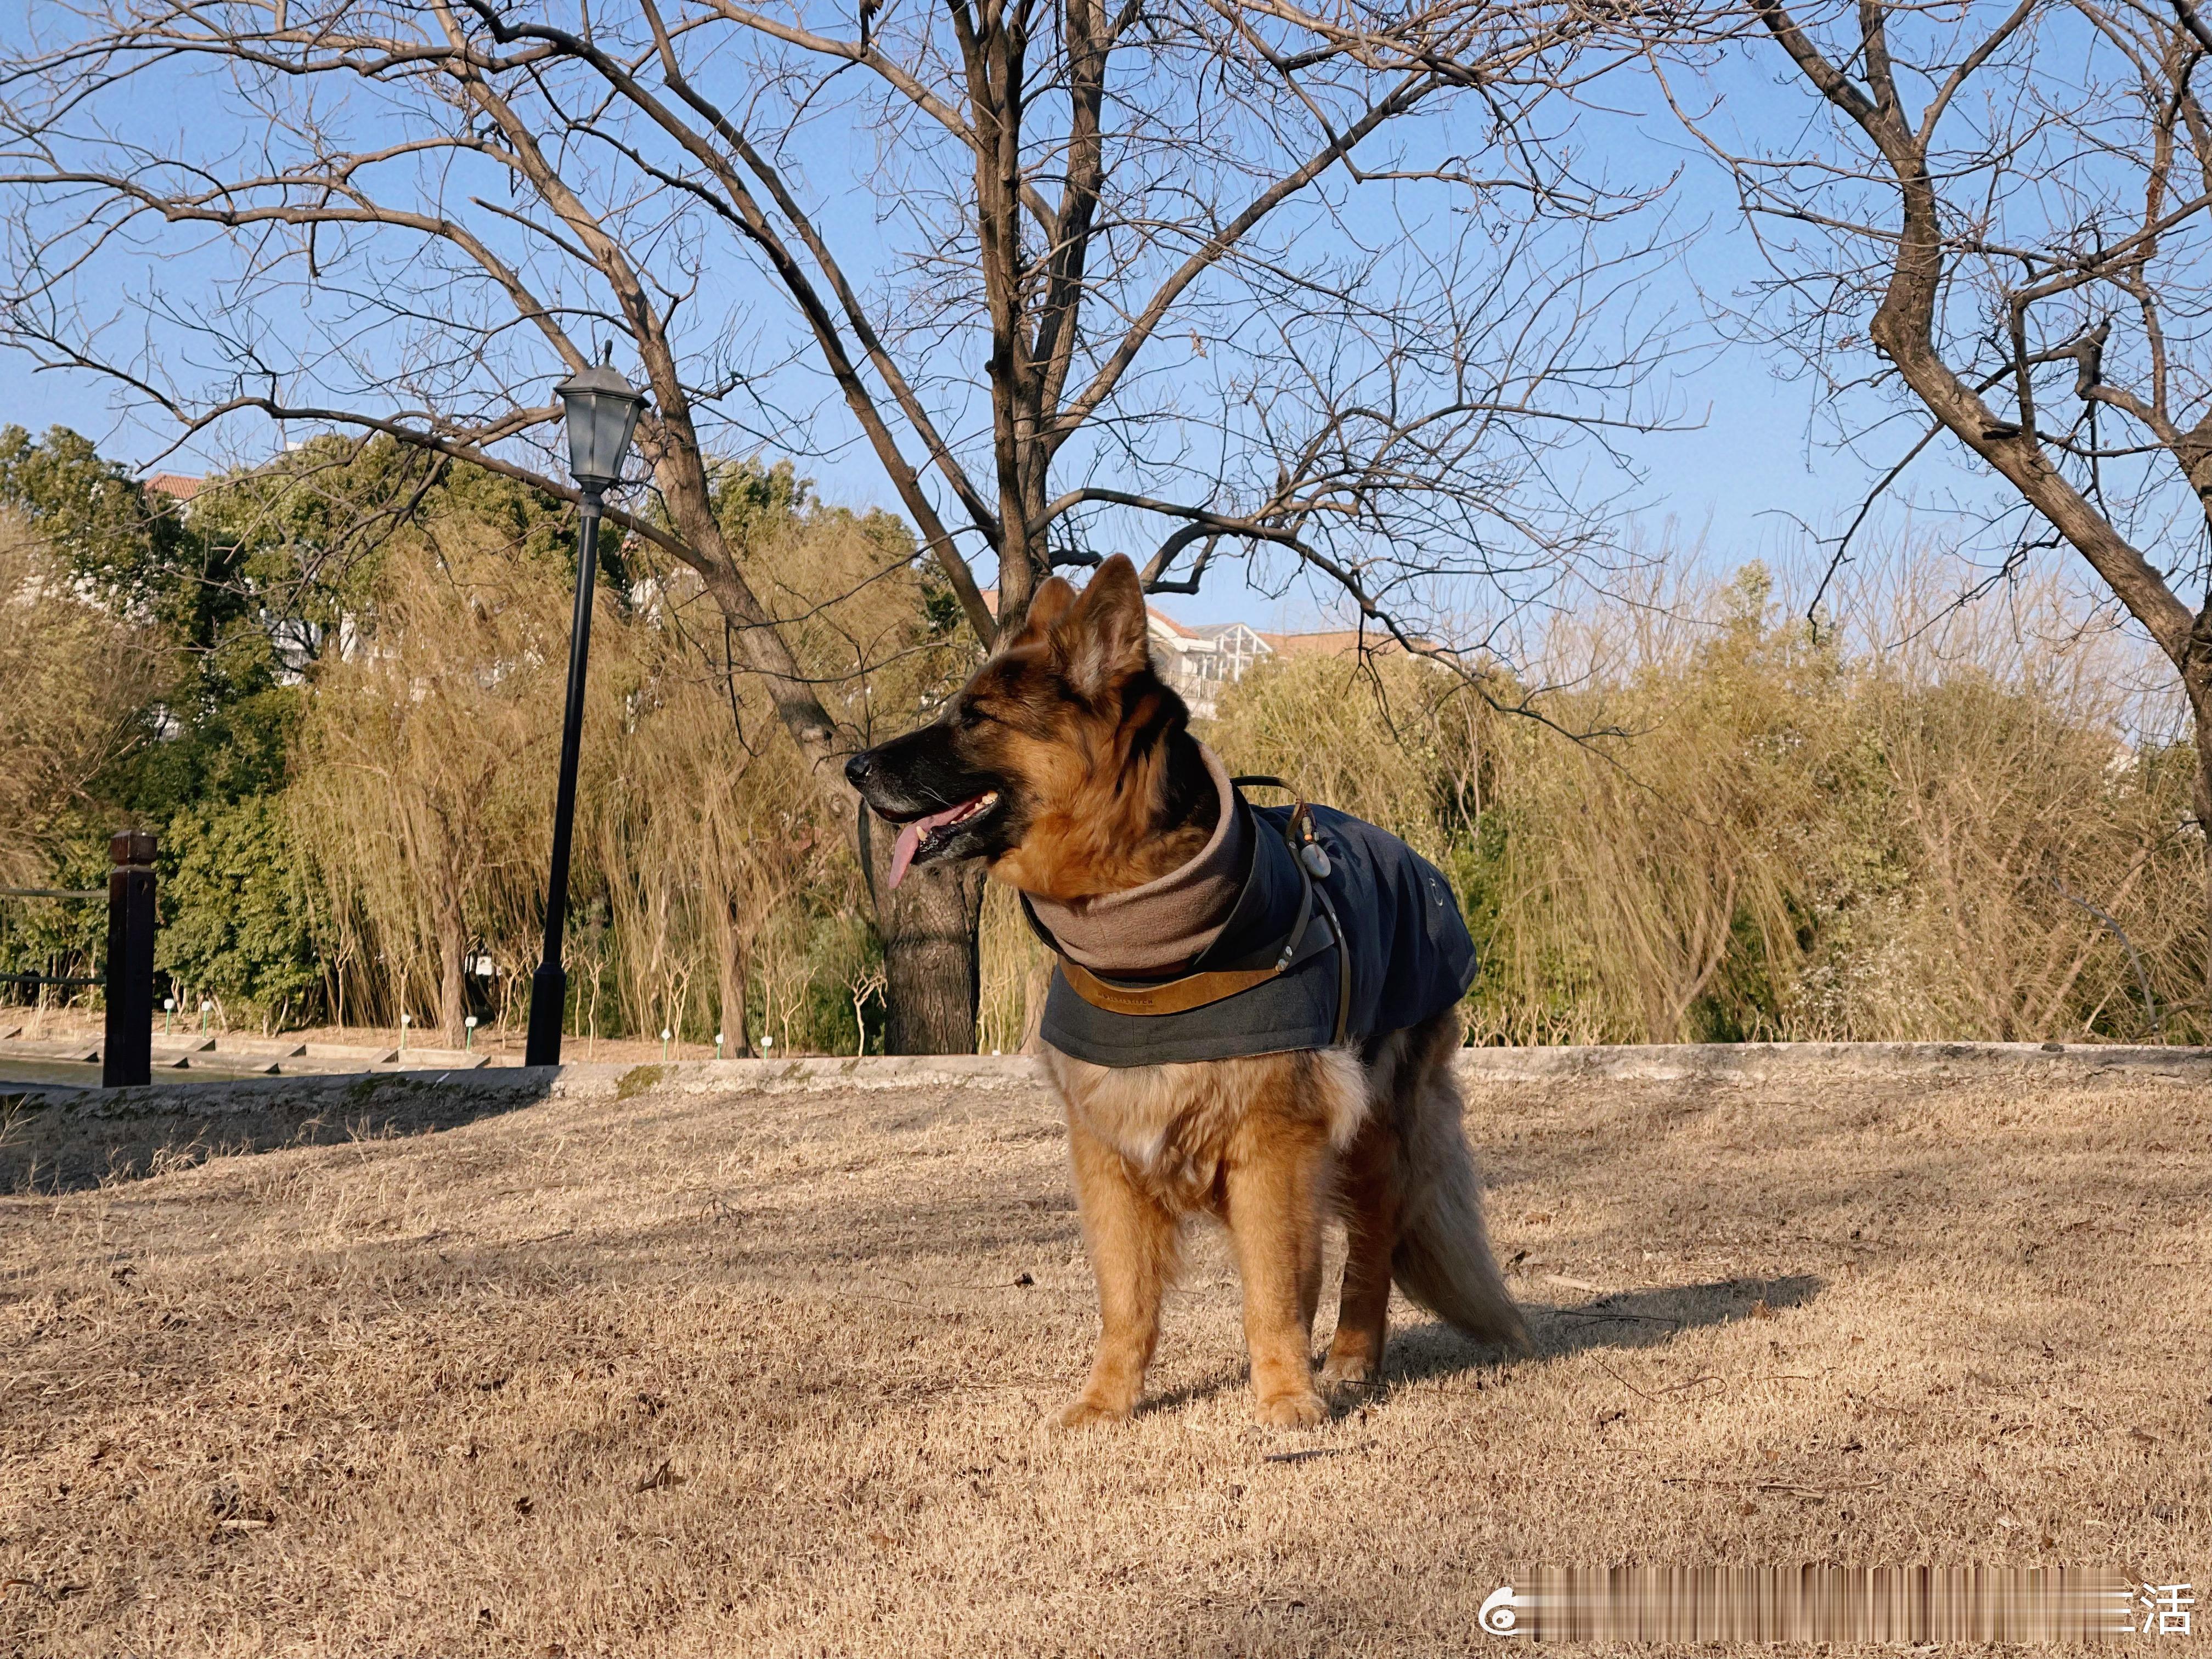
{"x": 1223, "y": 630}
{"x": 175, "y": 485}
{"x": 1325, "y": 642}
{"x": 1336, "y": 643}
{"x": 1158, "y": 618}
{"x": 1173, "y": 627}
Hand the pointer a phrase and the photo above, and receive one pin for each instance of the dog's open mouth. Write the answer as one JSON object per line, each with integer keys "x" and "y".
{"x": 917, "y": 836}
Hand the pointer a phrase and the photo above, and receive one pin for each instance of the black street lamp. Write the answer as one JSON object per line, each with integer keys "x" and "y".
{"x": 602, "y": 410}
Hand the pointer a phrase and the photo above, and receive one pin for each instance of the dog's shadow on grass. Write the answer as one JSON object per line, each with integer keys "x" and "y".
{"x": 1621, "y": 1319}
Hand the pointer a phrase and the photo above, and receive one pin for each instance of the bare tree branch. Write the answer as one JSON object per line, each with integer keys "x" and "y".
{"x": 2028, "y": 223}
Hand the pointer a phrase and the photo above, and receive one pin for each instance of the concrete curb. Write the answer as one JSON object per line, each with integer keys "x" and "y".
{"x": 358, "y": 1090}
{"x": 1751, "y": 1061}
{"x": 1658, "y": 1063}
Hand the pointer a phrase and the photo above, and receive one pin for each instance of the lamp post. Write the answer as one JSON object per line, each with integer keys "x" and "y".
{"x": 602, "y": 410}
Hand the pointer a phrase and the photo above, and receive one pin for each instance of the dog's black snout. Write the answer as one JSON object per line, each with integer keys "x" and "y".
{"x": 858, "y": 769}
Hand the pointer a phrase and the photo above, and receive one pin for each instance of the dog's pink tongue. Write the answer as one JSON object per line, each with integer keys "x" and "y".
{"x": 909, "y": 838}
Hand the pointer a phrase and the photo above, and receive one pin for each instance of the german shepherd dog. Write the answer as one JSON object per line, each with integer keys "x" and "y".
{"x": 1066, "y": 765}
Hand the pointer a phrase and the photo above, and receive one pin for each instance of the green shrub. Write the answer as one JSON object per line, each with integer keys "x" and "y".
{"x": 237, "y": 912}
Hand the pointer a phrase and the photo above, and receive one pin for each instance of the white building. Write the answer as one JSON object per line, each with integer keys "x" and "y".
{"x": 1199, "y": 661}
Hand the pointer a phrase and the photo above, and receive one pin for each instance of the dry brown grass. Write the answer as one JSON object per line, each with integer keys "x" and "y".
{"x": 716, "y": 1374}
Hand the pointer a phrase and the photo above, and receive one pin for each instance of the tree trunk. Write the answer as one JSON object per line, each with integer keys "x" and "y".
{"x": 932, "y": 973}
{"x": 453, "y": 969}
{"x": 2201, "y": 799}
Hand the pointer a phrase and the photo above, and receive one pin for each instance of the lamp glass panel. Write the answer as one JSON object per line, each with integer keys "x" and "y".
{"x": 599, "y": 427}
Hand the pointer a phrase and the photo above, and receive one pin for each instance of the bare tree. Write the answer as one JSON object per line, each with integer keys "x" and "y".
{"x": 1199, "y": 277}
{"x": 2004, "y": 221}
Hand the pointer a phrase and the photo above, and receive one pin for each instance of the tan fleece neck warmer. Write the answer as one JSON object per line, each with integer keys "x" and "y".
{"x": 1167, "y": 921}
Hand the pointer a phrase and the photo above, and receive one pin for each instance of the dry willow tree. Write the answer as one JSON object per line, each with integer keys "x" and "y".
{"x": 2000, "y": 215}
{"x": 422, "y": 761}
{"x": 76, "y": 678}
{"x": 1201, "y": 279}
{"x": 706, "y": 829}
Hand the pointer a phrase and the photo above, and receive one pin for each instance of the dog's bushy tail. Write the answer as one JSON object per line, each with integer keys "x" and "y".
{"x": 1443, "y": 1259}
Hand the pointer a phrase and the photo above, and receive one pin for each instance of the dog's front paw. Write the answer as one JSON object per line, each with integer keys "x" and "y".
{"x": 1088, "y": 1413}
{"x": 1355, "y": 1367}
{"x": 1293, "y": 1411}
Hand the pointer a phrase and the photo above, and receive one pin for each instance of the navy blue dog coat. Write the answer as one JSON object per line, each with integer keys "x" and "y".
{"x": 1405, "y": 945}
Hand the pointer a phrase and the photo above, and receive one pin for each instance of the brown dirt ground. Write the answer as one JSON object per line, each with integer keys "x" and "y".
{"x": 763, "y": 1375}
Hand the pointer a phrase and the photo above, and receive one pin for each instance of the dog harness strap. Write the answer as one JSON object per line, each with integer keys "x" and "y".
{"x": 1180, "y": 996}
{"x": 1174, "y": 996}
{"x": 1343, "y": 961}
{"x": 1312, "y": 862}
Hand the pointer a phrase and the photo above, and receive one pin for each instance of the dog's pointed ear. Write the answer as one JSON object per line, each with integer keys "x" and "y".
{"x": 1103, "y": 637}
{"x": 1048, "y": 605}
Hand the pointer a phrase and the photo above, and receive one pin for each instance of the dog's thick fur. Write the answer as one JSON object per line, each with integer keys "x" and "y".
{"x": 1083, "y": 780}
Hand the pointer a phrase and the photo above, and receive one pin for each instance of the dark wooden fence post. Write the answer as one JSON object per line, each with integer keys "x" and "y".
{"x": 127, "y": 1055}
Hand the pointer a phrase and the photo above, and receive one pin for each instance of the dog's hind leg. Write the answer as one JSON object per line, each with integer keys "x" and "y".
{"x": 1131, "y": 1238}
